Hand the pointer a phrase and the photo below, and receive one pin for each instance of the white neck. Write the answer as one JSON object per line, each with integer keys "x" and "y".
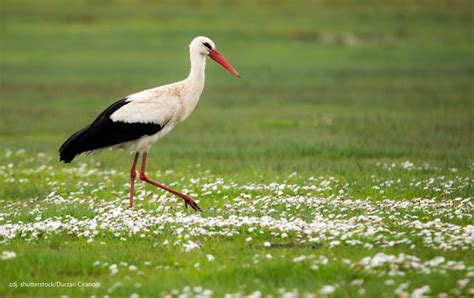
{"x": 194, "y": 84}
{"x": 198, "y": 66}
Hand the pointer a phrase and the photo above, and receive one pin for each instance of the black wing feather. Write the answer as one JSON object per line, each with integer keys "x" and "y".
{"x": 103, "y": 132}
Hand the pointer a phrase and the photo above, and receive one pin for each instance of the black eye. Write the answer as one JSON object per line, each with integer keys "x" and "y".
{"x": 207, "y": 45}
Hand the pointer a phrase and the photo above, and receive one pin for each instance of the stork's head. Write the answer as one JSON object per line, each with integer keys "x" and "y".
{"x": 206, "y": 47}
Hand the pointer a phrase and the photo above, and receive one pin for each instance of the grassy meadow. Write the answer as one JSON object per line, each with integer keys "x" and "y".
{"x": 341, "y": 164}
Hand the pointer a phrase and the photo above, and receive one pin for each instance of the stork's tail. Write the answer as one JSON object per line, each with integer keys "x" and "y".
{"x": 73, "y": 146}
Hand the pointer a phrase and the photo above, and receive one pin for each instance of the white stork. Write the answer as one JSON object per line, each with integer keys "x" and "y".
{"x": 140, "y": 119}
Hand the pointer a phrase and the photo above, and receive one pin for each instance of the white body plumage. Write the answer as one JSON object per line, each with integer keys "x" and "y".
{"x": 165, "y": 105}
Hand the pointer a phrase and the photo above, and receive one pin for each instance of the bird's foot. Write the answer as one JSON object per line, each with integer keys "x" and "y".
{"x": 190, "y": 202}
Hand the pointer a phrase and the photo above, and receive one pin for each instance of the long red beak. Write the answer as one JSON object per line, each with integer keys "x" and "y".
{"x": 216, "y": 56}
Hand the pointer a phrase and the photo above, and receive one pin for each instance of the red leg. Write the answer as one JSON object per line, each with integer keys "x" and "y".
{"x": 133, "y": 174}
{"x": 186, "y": 198}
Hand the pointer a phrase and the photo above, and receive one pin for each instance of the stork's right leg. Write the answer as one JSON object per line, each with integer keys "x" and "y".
{"x": 145, "y": 178}
{"x": 133, "y": 174}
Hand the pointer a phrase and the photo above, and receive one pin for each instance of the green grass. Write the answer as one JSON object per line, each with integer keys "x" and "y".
{"x": 329, "y": 89}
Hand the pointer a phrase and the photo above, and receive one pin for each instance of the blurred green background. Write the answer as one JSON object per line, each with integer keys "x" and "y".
{"x": 327, "y": 86}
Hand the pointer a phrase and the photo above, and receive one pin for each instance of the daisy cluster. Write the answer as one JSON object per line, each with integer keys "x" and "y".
{"x": 296, "y": 212}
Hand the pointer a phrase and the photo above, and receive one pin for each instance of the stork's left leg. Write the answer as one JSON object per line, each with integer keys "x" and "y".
{"x": 144, "y": 177}
{"x": 133, "y": 174}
